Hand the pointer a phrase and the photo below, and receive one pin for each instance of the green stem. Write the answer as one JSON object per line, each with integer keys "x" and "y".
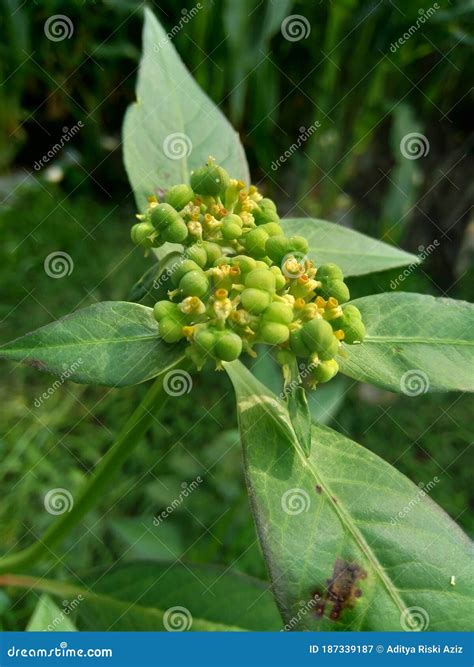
{"x": 93, "y": 489}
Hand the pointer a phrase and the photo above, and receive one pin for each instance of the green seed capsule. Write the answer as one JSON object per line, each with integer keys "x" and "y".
{"x": 228, "y": 346}
{"x": 244, "y": 263}
{"x": 350, "y": 311}
{"x": 213, "y": 251}
{"x": 280, "y": 280}
{"x": 197, "y": 253}
{"x": 298, "y": 244}
{"x": 265, "y": 216}
{"x": 142, "y": 234}
{"x": 325, "y": 370}
{"x": 267, "y": 204}
{"x": 338, "y": 289}
{"x": 194, "y": 283}
{"x": 209, "y": 180}
{"x": 318, "y": 336}
{"x": 298, "y": 346}
{"x": 273, "y": 333}
{"x": 163, "y": 309}
{"x": 276, "y": 248}
{"x": 163, "y": 215}
{"x": 231, "y": 230}
{"x": 255, "y": 241}
{"x": 262, "y": 279}
{"x": 171, "y": 331}
{"x": 179, "y": 195}
{"x": 205, "y": 341}
{"x": 175, "y": 232}
{"x": 278, "y": 312}
{"x": 182, "y": 268}
{"x": 255, "y": 300}
{"x": 354, "y": 330}
{"x": 328, "y": 272}
{"x": 272, "y": 229}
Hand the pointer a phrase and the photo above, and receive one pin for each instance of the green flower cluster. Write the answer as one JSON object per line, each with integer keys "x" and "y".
{"x": 241, "y": 281}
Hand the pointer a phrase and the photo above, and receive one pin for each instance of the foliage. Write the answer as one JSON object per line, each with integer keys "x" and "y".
{"x": 363, "y": 577}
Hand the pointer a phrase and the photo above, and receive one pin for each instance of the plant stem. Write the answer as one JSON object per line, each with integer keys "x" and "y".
{"x": 103, "y": 473}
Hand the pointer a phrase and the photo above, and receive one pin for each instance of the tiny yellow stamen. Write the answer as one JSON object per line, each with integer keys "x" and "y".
{"x": 339, "y": 334}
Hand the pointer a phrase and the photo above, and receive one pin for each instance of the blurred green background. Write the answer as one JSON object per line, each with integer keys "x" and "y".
{"x": 366, "y": 93}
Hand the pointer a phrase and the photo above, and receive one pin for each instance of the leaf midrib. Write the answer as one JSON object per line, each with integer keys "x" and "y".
{"x": 413, "y": 339}
{"x": 344, "y": 518}
{"x": 97, "y": 341}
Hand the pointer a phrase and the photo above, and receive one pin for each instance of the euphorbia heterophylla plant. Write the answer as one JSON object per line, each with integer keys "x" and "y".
{"x": 230, "y": 274}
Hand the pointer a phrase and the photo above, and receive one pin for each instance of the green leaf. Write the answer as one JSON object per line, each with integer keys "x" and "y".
{"x": 415, "y": 343}
{"x": 145, "y": 542}
{"x": 351, "y": 544}
{"x": 300, "y": 417}
{"x": 139, "y": 596}
{"x": 113, "y": 343}
{"x": 47, "y": 617}
{"x": 156, "y": 282}
{"x": 355, "y": 253}
{"x": 173, "y": 126}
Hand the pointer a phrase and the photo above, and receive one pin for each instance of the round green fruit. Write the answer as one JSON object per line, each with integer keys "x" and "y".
{"x": 278, "y": 312}
{"x": 175, "y": 232}
{"x": 297, "y": 344}
{"x": 337, "y": 289}
{"x": 273, "y": 333}
{"x": 213, "y": 251}
{"x": 228, "y": 346}
{"x": 197, "y": 253}
{"x": 163, "y": 309}
{"x": 182, "y": 268}
{"x": 209, "y": 180}
{"x": 194, "y": 283}
{"x": 277, "y": 247}
{"x": 142, "y": 234}
{"x": 318, "y": 337}
{"x": 255, "y": 241}
{"x": 163, "y": 215}
{"x": 171, "y": 331}
{"x": 255, "y": 300}
{"x": 179, "y": 195}
{"x": 354, "y": 330}
{"x": 325, "y": 370}
{"x": 328, "y": 272}
{"x": 262, "y": 279}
